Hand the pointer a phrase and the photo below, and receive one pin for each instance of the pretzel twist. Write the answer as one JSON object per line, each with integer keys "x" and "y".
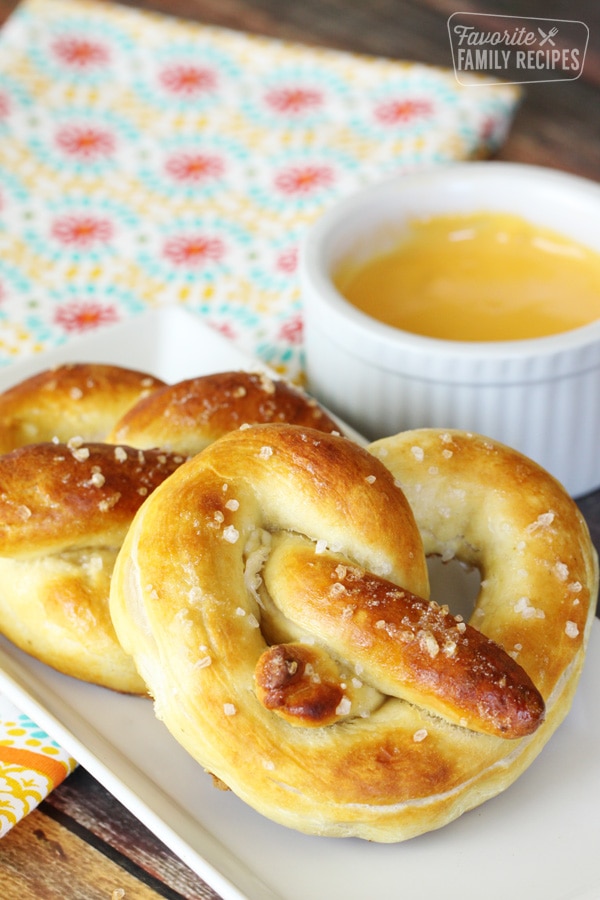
{"x": 284, "y": 629}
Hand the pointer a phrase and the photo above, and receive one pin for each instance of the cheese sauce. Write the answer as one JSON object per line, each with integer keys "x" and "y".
{"x": 479, "y": 277}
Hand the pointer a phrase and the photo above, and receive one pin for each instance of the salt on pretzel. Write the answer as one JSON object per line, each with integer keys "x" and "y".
{"x": 64, "y": 511}
{"x": 283, "y": 626}
{"x": 187, "y": 416}
{"x": 70, "y": 400}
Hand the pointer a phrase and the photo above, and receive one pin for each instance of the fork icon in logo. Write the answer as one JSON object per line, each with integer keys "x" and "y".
{"x": 547, "y": 38}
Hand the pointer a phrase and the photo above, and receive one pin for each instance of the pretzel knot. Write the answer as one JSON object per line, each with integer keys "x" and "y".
{"x": 283, "y": 624}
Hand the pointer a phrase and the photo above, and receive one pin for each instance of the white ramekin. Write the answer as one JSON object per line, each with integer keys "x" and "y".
{"x": 541, "y": 396}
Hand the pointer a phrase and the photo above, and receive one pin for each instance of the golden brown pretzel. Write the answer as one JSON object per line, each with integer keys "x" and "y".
{"x": 64, "y": 511}
{"x": 275, "y": 627}
{"x": 71, "y": 400}
{"x": 189, "y": 415}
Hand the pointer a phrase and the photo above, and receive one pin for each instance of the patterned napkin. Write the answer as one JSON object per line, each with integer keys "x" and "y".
{"x": 31, "y": 765}
{"x": 147, "y": 161}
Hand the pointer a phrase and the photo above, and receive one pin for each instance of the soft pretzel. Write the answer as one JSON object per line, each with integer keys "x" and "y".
{"x": 189, "y": 415}
{"x": 283, "y": 625}
{"x": 64, "y": 511}
{"x": 70, "y": 400}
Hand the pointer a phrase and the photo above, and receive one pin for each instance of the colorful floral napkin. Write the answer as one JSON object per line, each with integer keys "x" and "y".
{"x": 31, "y": 765}
{"x": 147, "y": 161}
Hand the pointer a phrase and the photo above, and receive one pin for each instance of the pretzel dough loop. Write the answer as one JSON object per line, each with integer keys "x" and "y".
{"x": 70, "y": 400}
{"x": 187, "y": 416}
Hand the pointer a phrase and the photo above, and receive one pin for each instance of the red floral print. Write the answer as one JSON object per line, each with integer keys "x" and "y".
{"x": 399, "y": 111}
{"x": 85, "y": 315}
{"x": 226, "y": 329}
{"x": 193, "y": 250}
{"x": 4, "y": 105}
{"x": 291, "y": 331}
{"x": 305, "y": 179}
{"x": 187, "y": 79}
{"x": 488, "y": 129}
{"x": 82, "y": 230}
{"x": 287, "y": 261}
{"x": 293, "y": 100}
{"x": 87, "y": 142}
{"x": 80, "y": 52}
{"x": 194, "y": 167}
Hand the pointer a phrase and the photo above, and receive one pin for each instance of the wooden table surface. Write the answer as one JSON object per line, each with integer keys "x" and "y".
{"x": 81, "y": 843}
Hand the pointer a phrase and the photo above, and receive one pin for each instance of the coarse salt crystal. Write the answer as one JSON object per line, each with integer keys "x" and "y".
{"x": 544, "y": 520}
{"x": 418, "y": 453}
{"x": 232, "y": 505}
{"x": 371, "y": 479}
{"x": 561, "y": 570}
{"x": 107, "y": 504}
{"x": 265, "y": 452}
{"x": 229, "y": 709}
{"x": 344, "y": 706}
{"x": 230, "y": 534}
{"x": 203, "y": 663}
{"x": 428, "y": 644}
{"x": 120, "y": 454}
{"x": 449, "y": 648}
{"x": 321, "y": 546}
{"x": 524, "y": 608}
{"x": 420, "y": 735}
{"x": 571, "y": 629}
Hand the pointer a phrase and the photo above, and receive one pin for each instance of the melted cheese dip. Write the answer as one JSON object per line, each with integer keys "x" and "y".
{"x": 478, "y": 277}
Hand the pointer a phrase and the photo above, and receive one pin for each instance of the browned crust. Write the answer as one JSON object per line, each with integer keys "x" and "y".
{"x": 55, "y": 497}
{"x": 299, "y": 684}
{"x": 406, "y": 646}
{"x": 191, "y": 414}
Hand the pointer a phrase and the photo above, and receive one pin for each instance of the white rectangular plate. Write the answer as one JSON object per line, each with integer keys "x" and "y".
{"x": 539, "y": 839}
